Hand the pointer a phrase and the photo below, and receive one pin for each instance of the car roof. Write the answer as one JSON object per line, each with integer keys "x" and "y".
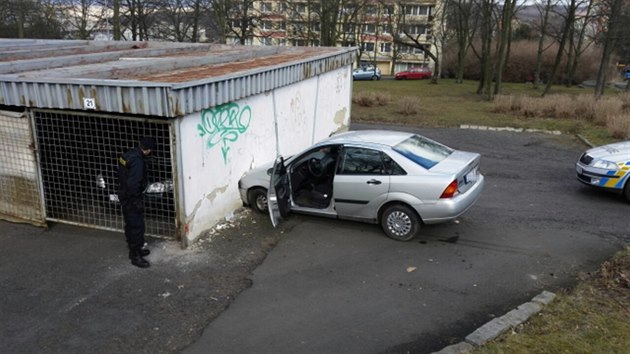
{"x": 368, "y": 137}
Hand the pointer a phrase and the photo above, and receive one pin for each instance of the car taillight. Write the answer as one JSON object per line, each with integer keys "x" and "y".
{"x": 450, "y": 190}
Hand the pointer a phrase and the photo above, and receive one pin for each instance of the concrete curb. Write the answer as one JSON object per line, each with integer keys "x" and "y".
{"x": 584, "y": 140}
{"x": 523, "y": 130}
{"x": 500, "y": 325}
{"x": 509, "y": 129}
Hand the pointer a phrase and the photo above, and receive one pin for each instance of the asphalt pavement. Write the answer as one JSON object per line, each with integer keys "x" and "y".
{"x": 317, "y": 285}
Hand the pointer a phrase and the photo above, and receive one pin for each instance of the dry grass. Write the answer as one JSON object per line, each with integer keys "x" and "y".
{"x": 408, "y": 106}
{"x": 612, "y": 112}
{"x": 369, "y": 99}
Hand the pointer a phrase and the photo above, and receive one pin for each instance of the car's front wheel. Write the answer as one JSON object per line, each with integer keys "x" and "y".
{"x": 626, "y": 191}
{"x": 374, "y": 78}
{"x": 257, "y": 198}
{"x": 400, "y": 222}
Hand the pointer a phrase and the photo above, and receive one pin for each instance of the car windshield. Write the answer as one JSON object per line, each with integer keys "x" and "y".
{"x": 425, "y": 152}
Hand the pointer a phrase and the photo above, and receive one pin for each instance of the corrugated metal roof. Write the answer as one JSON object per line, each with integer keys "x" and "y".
{"x": 151, "y": 78}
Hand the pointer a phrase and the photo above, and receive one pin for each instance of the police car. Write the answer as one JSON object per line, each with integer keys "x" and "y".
{"x": 606, "y": 167}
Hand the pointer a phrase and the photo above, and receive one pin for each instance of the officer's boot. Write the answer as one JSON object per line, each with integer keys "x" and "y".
{"x": 137, "y": 260}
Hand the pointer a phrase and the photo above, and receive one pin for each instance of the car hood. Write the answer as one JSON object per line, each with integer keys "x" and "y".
{"x": 617, "y": 152}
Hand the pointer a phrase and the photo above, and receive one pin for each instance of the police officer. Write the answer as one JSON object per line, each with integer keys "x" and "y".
{"x": 132, "y": 180}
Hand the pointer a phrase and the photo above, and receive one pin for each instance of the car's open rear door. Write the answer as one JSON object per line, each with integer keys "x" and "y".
{"x": 278, "y": 193}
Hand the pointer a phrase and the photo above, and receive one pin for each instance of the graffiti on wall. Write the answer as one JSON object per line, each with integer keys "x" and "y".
{"x": 222, "y": 125}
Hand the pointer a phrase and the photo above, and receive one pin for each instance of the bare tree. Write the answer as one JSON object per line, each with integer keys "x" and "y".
{"x": 412, "y": 35}
{"x": 568, "y": 24}
{"x": 578, "y": 40}
{"x": 507, "y": 14}
{"x": 544, "y": 10}
{"x": 29, "y": 19}
{"x": 488, "y": 16}
{"x": 462, "y": 19}
{"x": 81, "y": 17}
{"x": 613, "y": 13}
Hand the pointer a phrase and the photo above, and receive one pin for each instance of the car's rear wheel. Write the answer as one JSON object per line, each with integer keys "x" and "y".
{"x": 400, "y": 222}
{"x": 374, "y": 78}
{"x": 257, "y": 198}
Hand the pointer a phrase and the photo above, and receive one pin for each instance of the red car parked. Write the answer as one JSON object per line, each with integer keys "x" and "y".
{"x": 414, "y": 74}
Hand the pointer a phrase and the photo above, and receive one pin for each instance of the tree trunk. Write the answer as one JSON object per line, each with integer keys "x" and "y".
{"x": 116, "y": 21}
{"x": 610, "y": 41}
{"x": 541, "y": 43}
{"x": 502, "y": 54}
{"x": 563, "y": 40}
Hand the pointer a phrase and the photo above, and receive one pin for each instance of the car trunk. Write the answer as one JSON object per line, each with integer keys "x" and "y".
{"x": 464, "y": 166}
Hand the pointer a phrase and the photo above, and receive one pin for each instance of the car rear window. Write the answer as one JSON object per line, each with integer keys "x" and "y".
{"x": 425, "y": 152}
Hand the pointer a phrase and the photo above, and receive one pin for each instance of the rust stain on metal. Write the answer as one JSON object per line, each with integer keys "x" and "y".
{"x": 196, "y": 73}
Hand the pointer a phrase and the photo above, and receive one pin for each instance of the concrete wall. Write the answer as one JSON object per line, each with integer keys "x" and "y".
{"x": 220, "y": 144}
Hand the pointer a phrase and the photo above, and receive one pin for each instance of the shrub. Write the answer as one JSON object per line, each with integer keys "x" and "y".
{"x": 382, "y": 99}
{"x": 370, "y": 99}
{"x": 563, "y": 106}
{"x": 619, "y": 126}
{"x": 607, "y": 107}
{"x": 408, "y": 106}
{"x": 503, "y": 103}
{"x": 364, "y": 99}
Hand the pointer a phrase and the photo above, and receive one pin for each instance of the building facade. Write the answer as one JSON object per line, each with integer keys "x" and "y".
{"x": 388, "y": 34}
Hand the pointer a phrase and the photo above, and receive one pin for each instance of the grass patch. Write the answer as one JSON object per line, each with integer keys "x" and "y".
{"x": 448, "y": 104}
{"x": 593, "y": 318}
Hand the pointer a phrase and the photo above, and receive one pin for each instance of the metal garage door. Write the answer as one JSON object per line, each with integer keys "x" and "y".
{"x": 19, "y": 183}
{"x": 78, "y": 160}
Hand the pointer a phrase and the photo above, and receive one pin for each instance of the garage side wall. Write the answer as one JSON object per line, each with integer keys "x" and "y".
{"x": 219, "y": 144}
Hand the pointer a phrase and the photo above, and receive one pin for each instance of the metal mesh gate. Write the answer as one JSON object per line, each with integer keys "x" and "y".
{"x": 19, "y": 184}
{"x": 78, "y": 159}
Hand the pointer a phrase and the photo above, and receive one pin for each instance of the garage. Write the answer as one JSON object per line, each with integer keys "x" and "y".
{"x": 69, "y": 109}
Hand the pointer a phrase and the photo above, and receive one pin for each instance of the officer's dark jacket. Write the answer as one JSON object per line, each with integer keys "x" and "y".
{"x": 132, "y": 175}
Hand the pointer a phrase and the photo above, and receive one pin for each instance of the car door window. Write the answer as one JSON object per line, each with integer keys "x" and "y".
{"x": 361, "y": 161}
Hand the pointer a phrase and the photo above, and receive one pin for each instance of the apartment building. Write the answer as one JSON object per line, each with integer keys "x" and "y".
{"x": 379, "y": 29}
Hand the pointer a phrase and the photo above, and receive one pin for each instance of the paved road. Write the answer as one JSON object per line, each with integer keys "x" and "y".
{"x": 342, "y": 287}
{"x": 328, "y": 286}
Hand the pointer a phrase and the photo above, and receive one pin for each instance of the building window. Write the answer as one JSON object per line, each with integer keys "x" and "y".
{"x": 417, "y": 29}
{"x": 266, "y": 25}
{"x": 386, "y": 47}
{"x": 266, "y": 41}
{"x": 266, "y": 7}
{"x": 298, "y": 43}
{"x": 369, "y": 28}
{"x": 416, "y": 10}
{"x": 370, "y": 10}
{"x": 367, "y": 47}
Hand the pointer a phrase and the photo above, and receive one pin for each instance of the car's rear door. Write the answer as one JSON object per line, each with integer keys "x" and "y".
{"x": 361, "y": 183}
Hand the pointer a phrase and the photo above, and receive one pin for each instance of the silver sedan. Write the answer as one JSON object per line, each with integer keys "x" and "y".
{"x": 400, "y": 180}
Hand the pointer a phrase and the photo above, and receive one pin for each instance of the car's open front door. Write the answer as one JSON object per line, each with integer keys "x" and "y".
{"x": 278, "y": 193}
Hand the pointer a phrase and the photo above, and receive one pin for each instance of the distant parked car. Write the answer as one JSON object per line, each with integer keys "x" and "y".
{"x": 606, "y": 167}
{"x": 366, "y": 73}
{"x": 400, "y": 180}
{"x": 414, "y": 74}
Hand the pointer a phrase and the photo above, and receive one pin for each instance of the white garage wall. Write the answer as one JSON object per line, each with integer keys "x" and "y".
{"x": 220, "y": 144}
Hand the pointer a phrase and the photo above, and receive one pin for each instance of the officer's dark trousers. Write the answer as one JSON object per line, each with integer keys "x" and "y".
{"x": 134, "y": 225}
